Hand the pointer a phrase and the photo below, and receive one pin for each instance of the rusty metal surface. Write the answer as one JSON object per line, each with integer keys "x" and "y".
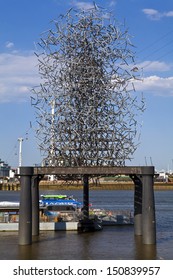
{"x": 95, "y": 170}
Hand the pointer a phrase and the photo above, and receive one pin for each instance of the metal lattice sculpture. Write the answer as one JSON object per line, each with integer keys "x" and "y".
{"x": 86, "y": 104}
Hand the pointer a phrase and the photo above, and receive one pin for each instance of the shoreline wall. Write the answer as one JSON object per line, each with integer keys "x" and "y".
{"x": 47, "y": 185}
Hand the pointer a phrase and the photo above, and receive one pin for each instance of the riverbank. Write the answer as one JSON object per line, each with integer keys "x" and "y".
{"x": 104, "y": 186}
{"x": 54, "y": 185}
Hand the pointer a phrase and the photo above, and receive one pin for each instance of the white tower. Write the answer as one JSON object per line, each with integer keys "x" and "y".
{"x": 20, "y": 151}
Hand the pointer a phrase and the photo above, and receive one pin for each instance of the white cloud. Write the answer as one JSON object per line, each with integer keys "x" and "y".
{"x": 156, "y": 15}
{"x": 90, "y": 5}
{"x": 159, "y": 66}
{"x": 152, "y": 14}
{"x": 169, "y": 14}
{"x": 83, "y": 5}
{"x": 18, "y": 74}
{"x": 9, "y": 45}
{"x": 112, "y": 3}
{"x": 156, "y": 85}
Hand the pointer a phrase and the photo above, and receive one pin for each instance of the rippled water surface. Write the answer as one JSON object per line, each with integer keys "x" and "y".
{"x": 117, "y": 242}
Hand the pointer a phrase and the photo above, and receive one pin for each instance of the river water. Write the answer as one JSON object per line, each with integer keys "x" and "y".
{"x": 112, "y": 243}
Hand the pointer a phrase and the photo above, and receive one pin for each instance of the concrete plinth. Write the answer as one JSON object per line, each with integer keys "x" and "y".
{"x": 25, "y": 210}
{"x": 148, "y": 211}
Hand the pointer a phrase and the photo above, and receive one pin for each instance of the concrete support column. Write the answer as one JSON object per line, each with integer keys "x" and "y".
{"x": 25, "y": 211}
{"x": 85, "y": 197}
{"x": 137, "y": 204}
{"x": 35, "y": 205}
{"x": 148, "y": 209}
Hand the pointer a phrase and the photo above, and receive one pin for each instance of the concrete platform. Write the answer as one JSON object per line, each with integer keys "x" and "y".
{"x": 59, "y": 226}
{"x": 43, "y": 226}
{"x": 9, "y": 226}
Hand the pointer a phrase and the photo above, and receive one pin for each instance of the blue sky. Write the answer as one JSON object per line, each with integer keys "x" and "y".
{"x": 150, "y": 23}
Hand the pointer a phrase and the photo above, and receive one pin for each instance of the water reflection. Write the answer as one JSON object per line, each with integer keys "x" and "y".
{"x": 143, "y": 251}
{"x": 25, "y": 252}
{"x": 115, "y": 243}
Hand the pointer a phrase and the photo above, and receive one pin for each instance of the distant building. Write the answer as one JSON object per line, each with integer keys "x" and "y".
{"x": 4, "y": 169}
{"x": 12, "y": 173}
{"x": 162, "y": 177}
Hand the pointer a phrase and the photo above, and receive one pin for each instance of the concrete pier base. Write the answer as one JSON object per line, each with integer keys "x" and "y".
{"x": 137, "y": 204}
{"x": 148, "y": 211}
{"x": 85, "y": 197}
{"x": 25, "y": 211}
{"x": 86, "y": 224}
{"x": 144, "y": 207}
{"x": 35, "y": 205}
